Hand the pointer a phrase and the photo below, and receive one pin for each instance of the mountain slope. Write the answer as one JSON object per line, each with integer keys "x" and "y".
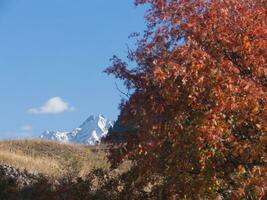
{"x": 89, "y": 132}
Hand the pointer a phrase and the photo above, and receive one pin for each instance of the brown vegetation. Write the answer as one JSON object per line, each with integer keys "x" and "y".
{"x": 51, "y": 158}
{"x": 56, "y": 171}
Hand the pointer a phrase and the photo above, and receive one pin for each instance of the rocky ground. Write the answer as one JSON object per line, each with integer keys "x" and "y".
{"x": 22, "y": 178}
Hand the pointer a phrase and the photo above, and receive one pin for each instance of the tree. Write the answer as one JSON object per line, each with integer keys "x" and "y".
{"x": 116, "y": 133}
{"x": 198, "y": 103}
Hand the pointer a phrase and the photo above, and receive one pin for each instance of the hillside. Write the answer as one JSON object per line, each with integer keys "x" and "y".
{"x": 51, "y": 158}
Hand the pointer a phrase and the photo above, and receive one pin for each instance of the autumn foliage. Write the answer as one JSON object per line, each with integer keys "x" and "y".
{"x": 197, "y": 114}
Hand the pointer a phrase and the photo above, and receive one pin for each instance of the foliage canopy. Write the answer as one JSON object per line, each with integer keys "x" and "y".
{"x": 197, "y": 115}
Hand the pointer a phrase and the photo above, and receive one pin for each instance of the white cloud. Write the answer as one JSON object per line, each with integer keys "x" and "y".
{"x": 26, "y": 128}
{"x": 54, "y": 105}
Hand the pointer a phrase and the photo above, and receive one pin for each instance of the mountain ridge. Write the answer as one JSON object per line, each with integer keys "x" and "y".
{"x": 89, "y": 132}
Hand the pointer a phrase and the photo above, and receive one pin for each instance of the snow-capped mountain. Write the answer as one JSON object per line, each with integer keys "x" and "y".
{"x": 56, "y": 136}
{"x": 90, "y": 132}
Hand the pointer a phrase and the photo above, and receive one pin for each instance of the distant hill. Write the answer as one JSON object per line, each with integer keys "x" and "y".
{"x": 89, "y": 132}
{"x": 51, "y": 158}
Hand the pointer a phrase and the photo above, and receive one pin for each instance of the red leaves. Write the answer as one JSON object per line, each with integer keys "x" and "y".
{"x": 199, "y": 106}
{"x": 159, "y": 74}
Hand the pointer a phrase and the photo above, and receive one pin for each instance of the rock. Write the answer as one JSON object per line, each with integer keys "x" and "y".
{"x": 22, "y": 178}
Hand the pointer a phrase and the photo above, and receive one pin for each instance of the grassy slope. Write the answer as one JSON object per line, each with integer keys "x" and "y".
{"x": 50, "y": 158}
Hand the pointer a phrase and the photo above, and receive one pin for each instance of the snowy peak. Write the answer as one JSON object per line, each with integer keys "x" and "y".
{"x": 56, "y": 136}
{"x": 89, "y": 132}
{"x": 96, "y": 126}
{"x": 89, "y": 119}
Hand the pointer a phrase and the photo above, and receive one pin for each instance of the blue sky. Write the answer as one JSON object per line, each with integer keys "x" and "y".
{"x": 59, "y": 48}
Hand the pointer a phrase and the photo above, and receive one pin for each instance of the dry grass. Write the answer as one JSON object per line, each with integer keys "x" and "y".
{"x": 43, "y": 165}
{"x": 51, "y": 158}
